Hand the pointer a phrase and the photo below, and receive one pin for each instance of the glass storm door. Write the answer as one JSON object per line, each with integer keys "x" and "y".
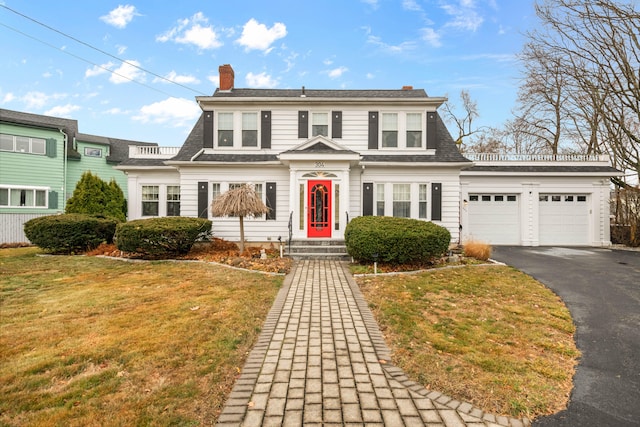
{"x": 319, "y": 208}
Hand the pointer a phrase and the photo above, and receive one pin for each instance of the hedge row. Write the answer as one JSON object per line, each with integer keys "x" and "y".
{"x": 69, "y": 233}
{"x": 395, "y": 240}
{"x": 149, "y": 238}
{"x": 161, "y": 237}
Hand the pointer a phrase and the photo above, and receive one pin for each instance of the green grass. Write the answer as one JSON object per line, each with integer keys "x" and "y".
{"x": 491, "y": 336}
{"x": 93, "y": 341}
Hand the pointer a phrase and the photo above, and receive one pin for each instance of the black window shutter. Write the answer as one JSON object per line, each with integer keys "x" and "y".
{"x": 367, "y": 199}
{"x": 271, "y": 200}
{"x": 336, "y": 124}
{"x": 436, "y": 201}
{"x": 432, "y": 130}
{"x": 265, "y": 129}
{"x": 207, "y": 133}
{"x": 303, "y": 124}
{"x": 373, "y": 131}
{"x": 53, "y": 200}
{"x": 50, "y": 148}
{"x": 203, "y": 199}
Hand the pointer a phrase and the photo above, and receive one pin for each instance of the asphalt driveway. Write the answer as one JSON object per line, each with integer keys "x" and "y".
{"x": 601, "y": 288}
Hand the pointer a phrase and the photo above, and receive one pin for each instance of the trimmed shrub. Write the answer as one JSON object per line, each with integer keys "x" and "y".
{"x": 161, "y": 237}
{"x": 94, "y": 196}
{"x": 395, "y": 240}
{"x": 69, "y": 233}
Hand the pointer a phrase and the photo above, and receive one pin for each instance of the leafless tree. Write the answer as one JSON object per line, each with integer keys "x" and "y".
{"x": 464, "y": 123}
{"x": 581, "y": 75}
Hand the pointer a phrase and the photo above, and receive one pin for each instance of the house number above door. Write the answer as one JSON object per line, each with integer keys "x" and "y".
{"x": 319, "y": 164}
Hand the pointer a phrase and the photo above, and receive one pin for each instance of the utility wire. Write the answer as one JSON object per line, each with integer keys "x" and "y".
{"x": 94, "y": 48}
{"x": 85, "y": 60}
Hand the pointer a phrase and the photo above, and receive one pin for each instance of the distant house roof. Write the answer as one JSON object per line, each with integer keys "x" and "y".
{"x": 119, "y": 148}
{"x": 68, "y": 126}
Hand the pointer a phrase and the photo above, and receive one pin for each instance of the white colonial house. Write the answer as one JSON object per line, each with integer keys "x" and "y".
{"x": 319, "y": 158}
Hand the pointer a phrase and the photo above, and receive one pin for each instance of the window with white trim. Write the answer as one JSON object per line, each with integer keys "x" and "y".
{"x": 380, "y": 199}
{"x": 422, "y": 201}
{"x": 92, "y": 152}
{"x": 249, "y": 129}
{"x": 320, "y": 124}
{"x": 23, "y": 197}
{"x": 23, "y": 144}
{"x": 402, "y": 200}
{"x": 173, "y": 200}
{"x": 150, "y": 200}
{"x": 225, "y": 129}
{"x": 414, "y": 130}
{"x": 389, "y": 130}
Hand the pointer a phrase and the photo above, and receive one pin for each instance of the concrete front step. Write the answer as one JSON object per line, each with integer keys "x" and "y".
{"x": 318, "y": 249}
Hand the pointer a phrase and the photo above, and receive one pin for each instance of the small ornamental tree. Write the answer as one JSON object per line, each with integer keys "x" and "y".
{"x": 93, "y": 196}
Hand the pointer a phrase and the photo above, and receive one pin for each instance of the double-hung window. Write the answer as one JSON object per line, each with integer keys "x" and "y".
{"x": 173, "y": 200}
{"x": 249, "y": 129}
{"x": 414, "y": 130}
{"x": 150, "y": 200}
{"x": 402, "y": 200}
{"x": 225, "y": 129}
{"x": 320, "y": 124}
{"x": 422, "y": 201}
{"x": 389, "y": 130}
{"x": 380, "y": 199}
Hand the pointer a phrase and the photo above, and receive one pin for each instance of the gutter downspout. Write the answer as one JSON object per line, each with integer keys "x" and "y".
{"x": 65, "y": 141}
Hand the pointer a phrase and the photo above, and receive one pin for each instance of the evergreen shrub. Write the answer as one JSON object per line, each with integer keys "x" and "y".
{"x": 94, "y": 196}
{"x": 161, "y": 237}
{"x": 395, "y": 240}
{"x": 70, "y": 233}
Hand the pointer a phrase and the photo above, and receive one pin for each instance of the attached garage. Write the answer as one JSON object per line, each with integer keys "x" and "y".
{"x": 564, "y": 219}
{"x": 494, "y": 218}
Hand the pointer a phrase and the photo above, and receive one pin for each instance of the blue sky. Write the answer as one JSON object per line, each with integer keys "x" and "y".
{"x": 442, "y": 46}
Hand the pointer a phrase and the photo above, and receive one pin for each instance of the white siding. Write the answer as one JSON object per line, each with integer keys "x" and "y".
{"x": 12, "y": 227}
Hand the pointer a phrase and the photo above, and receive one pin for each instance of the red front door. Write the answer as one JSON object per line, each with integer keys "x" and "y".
{"x": 319, "y": 208}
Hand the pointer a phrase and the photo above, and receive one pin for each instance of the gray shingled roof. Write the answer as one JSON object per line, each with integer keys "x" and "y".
{"x": 321, "y": 93}
{"x": 119, "y": 148}
{"x": 68, "y": 126}
{"x": 445, "y": 152}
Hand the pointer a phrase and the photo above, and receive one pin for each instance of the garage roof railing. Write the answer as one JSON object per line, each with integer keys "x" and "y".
{"x": 506, "y": 157}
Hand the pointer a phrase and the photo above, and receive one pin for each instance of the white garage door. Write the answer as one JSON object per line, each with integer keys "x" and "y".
{"x": 494, "y": 218}
{"x": 564, "y": 219}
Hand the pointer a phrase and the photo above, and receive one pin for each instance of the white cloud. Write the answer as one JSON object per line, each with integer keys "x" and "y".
{"x": 116, "y": 111}
{"x": 215, "y": 80}
{"x": 258, "y": 36}
{"x": 465, "y": 15}
{"x": 121, "y": 49}
{"x": 35, "y": 99}
{"x": 8, "y": 97}
{"x": 120, "y": 16}
{"x": 431, "y": 36}
{"x": 62, "y": 110}
{"x": 389, "y": 48}
{"x": 96, "y": 70}
{"x": 370, "y": 76}
{"x": 194, "y": 31}
{"x": 127, "y": 72}
{"x": 178, "y": 112}
{"x": 177, "y": 78}
{"x": 411, "y": 5}
{"x": 372, "y": 3}
{"x": 262, "y": 80}
{"x": 337, "y": 72}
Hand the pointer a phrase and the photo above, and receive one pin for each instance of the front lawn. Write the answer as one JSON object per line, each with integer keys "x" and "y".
{"x": 92, "y": 341}
{"x": 488, "y": 335}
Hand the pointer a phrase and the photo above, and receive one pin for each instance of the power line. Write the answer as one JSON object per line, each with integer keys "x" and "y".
{"x": 94, "y": 48}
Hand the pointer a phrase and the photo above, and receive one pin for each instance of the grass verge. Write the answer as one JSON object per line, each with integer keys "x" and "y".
{"x": 491, "y": 336}
{"x": 91, "y": 341}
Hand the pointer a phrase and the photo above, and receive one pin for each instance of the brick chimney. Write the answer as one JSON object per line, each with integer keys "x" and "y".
{"x": 407, "y": 87}
{"x": 226, "y": 77}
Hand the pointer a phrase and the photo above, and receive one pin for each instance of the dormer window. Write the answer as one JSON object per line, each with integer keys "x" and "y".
{"x": 319, "y": 124}
{"x": 225, "y": 129}
{"x": 390, "y": 130}
{"x": 249, "y": 129}
{"x": 414, "y": 130}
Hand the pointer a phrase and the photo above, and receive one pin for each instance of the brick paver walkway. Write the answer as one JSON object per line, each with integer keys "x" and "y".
{"x": 321, "y": 360}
